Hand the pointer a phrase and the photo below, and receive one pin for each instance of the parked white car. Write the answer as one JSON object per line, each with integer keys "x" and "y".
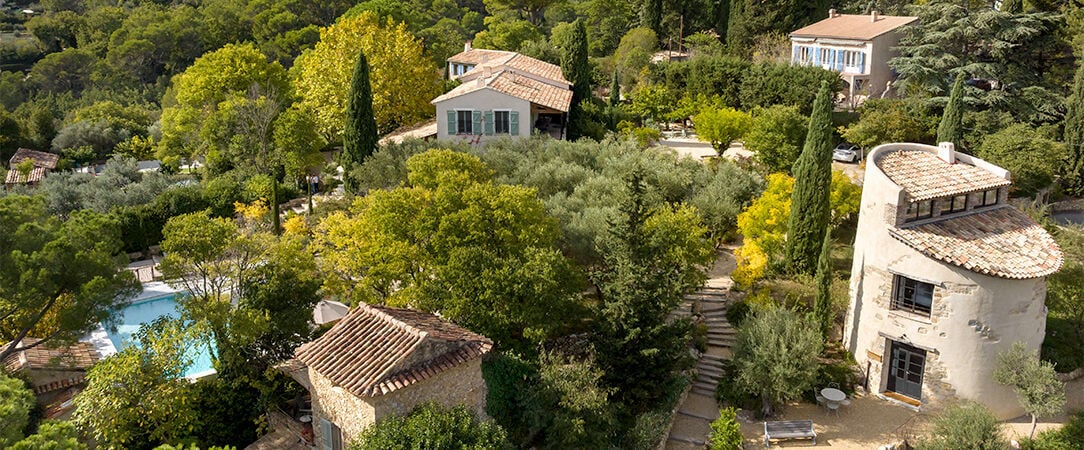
{"x": 847, "y": 152}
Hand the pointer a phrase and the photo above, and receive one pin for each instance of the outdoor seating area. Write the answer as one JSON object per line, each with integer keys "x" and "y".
{"x": 832, "y": 398}
{"x": 789, "y": 429}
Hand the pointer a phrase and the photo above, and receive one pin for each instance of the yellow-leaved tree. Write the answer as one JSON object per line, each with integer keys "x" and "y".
{"x": 403, "y": 79}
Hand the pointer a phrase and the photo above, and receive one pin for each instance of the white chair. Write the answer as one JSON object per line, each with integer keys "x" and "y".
{"x": 821, "y": 401}
{"x": 833, "y": 407}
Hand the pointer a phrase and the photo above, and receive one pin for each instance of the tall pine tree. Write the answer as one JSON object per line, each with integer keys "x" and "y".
{"x": 951, "y": 127}
{"x": 722, "y": 17}
{"x": 822, "y": 301}
{"x": 809, "y": 208}
{"x": 359, "y": 134}
{"x": 575, "y": 67}
{"x": 1074, "y": 134}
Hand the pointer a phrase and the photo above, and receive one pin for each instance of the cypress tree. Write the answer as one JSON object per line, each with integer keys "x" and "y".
{"x": 575, "y": 67}
{"x": 722, "y": 17}
{"x": 615, "y": 91}
{"x": 822, "y": 301}
{"x": 951, "y": 127}
{"x": 809, "y": 208}
{"x": 651, "y": 15}
{"x": 1012, "y": 6}
{"x": 1074, "y": 134}
{"x": 359, "y": 133}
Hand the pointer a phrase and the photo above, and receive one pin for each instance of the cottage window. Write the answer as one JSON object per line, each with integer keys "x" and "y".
{"x": 912, "y": 295}
{"x": 464, "y": 120}
{"x": 984, "y": 198}
{"x": 501, "y": 122}
{"x": 331, "y": 437}
{"x": 953, "y": 204}
{"x": 919, "y": 210}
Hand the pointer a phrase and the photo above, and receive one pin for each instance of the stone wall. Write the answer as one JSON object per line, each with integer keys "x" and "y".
{"x": 349, "y": 412}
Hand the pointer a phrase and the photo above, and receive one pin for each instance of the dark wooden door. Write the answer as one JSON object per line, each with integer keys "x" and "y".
{"x": 905, "y": 373}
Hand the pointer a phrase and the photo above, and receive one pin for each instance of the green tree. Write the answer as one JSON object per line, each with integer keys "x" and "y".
{"x": 136, "y": 398}
{"x": 1033, "y": 159}
{"x": 574, "y": 65}
{"x": 58, "y": 279}
{"x": 809, "y": 207}
{"x": 359, "y": 134}
{"x": 569, "y": 404}
{"x": 725, "y": 431}
{"x": 768, "y": 84}
{"x": 776, "y": 136}
{"x": 64, "y": 71}
{"x": 52, "y": 435}
{"x": 633, "y": 54}
{"x": 964, "y": 426}
{"x": 402, "y": 78}
{"x": 822, "y": 300}
{"x": 615, "y": 91}
{"x": 951, "y": 127}
{"x": 432, "y": 426}
{"x": 651, "y": 15}
{"x": 1074, "y": 133}
{"x": 1035, "y": 382}
{"x": 775, "y": 356}
{"x": 16, "y": 401}
{"x": 652, "y": 101}
{"x": 720, "y": 127}
{"x": 881, "y": 121}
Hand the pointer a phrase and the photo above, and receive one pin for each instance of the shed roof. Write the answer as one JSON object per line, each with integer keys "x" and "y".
{"x": 923, "y": 175}
{"x": 77, "y": 356}
{"x": 1001, "y": 242}
{"x": 375, "y": 350}
{"x": 852, "y": 26}
{"x": 41, "y": 159}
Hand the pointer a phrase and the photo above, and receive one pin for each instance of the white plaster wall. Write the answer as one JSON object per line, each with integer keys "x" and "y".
{"x": 1010, "y": 310}
{"x": 880, "y": 51}
{"x": 484, "y": 100}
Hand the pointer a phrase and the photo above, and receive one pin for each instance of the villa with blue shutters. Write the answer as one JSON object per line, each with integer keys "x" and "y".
{"x": 856, "y": 46}
{"x": 502, "y": 94}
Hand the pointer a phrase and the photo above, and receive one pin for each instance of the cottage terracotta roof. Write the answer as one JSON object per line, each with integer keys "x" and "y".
{"x": 923, "y": 175}
{"x": 36, "y": 175}
{"x": 1001, "y": 242}
{"x": 78, "y": 356}
{"x": 377, "y": 349}
{"x": 41, "y": 159}
{"x": 850, "y": 26}
{"x": 519, "y": 63}
{"x": 476, "y": 56}
{"x": 519, "y": 86}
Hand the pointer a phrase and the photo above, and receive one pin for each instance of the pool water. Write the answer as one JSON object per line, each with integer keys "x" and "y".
{"x": 145, "y": 311}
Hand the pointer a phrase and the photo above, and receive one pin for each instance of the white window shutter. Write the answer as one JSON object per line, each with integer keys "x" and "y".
{"x": 513, "y": 122}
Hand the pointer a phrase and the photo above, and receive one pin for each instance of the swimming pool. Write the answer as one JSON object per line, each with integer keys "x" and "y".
{"x": 145, "y": 311}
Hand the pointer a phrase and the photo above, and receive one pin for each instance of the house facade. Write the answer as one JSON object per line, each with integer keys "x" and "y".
{"x": 56, "y": 373}
{"x": 379, "y": 362}
{"x": 502, "y": 94}
{"x": 946, "y": 275}
{"x": 856, "y": 46}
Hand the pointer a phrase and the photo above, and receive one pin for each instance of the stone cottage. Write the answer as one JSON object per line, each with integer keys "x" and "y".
{"x": 380, "y": 361}
{"x": 946, "y": 275}
{"x": 56, "y": 373}
{"x": 42, "y": 164}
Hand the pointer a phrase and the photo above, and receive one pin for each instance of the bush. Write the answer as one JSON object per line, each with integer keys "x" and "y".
{"x": 16, "y": 401}
{"x": 1068, "y": 437}
{"x": 726, "y": 432}
{"x": 432, "y": 426}
{"x": 964, "y": 426}
{"x": 737, "y": 312}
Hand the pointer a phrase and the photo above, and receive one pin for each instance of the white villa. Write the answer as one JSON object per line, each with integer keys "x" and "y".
{"x": 502, "y": 94}
{"x": 946, "y": 275}
{"x": 856, "y": 46}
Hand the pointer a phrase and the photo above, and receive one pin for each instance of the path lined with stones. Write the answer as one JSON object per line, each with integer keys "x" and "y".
{"x": 694, "y": 416}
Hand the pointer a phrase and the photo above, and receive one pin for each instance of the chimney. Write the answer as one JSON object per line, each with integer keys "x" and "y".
{"x": 466, "y": 46}
{"x": 947, "y": 152}
{"x": 832, "y": 14}
{"x": 873, "y": 16}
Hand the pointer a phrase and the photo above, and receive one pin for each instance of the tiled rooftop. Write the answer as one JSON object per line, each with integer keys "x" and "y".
{"x": 41, "y": 159}
{"x": 1001, "y": 242}
{"x": 923, "y": 175}
{"x": 508, "y": 82}
{"x": 377, "y": 349}
{"x": 475, "y": 56}
{"x": 851, "y": 26}
{"x": 78, "y": 356}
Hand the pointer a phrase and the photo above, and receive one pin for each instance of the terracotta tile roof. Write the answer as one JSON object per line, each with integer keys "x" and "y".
{"x": 1001, "y": 242}
{"x": 850, "y": 26}
{"x": 475, "y": 56}
{"x": 78, "y": 356}
{"x": 421, "y": 131}
{"x": 41, "y": 159}
{"x": 518, "y": 86}
{"x": 519, "y": 63}
{"x": 35, "y": 175}
{"x": 924, "y": 176}
{"x": 377, "y": 349}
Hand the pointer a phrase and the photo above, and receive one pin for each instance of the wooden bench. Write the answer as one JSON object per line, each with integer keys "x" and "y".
{"x": 789, "y": 429}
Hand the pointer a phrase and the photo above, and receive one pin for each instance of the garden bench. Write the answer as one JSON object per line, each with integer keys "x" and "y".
{"x": 789, "y": 429}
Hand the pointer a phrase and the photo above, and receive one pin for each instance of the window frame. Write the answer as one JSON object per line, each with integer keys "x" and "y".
{"x": 914, "y": 210}
{"x": 899, "y": 301}
{"x": 461, "y": 125}
{"x": 948, "y": 205}
{"x": 497, "y": 121}
{"x": 982, "y": 199}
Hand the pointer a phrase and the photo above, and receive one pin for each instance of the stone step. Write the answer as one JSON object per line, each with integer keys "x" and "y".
{"x": 713, "y": 369}
{"x": 702, "y": 391}
{"x": 704, "y": 385}
{"x": 687, "y": 440}
{"x": 712, "y": 357}
{"x": 696, "y": 415}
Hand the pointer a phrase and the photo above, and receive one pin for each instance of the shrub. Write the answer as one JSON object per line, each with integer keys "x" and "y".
{"x": 434, "y": 427}
{"x": 726, "y": 432}
{"x": 776, "y": 356}
{"x": 964, "y": 426}
{"x": 737, "y": 312}
{"x": 16, "y": 401}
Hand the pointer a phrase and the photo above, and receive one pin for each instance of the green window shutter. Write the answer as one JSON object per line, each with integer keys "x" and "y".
{"x": 513, "y": 122}
{"x": 451, "y": 122}
{"x": 477, "y": 125}
{"x": 489, "y": 123}
{"x": 325, "y": 434}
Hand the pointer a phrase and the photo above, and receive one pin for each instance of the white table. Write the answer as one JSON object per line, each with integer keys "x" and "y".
{"x": 833, "y": 395}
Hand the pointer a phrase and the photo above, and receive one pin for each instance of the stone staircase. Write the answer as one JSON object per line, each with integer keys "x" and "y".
{"x": 693, "y": 420}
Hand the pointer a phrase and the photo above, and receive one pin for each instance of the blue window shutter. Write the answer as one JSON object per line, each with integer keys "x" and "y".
{"x": 325, "y": 435}
{"x": 839, "y": 60}
{"x": 489, "y": 123}
{"x": 477, "y": 125}
{"x": 862, "y": 62}
{"x": 451, "y": 122}
{"x": 794, "y": 51}
{"x": 816, "y": 57}
{"x": 513, "y": 122}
